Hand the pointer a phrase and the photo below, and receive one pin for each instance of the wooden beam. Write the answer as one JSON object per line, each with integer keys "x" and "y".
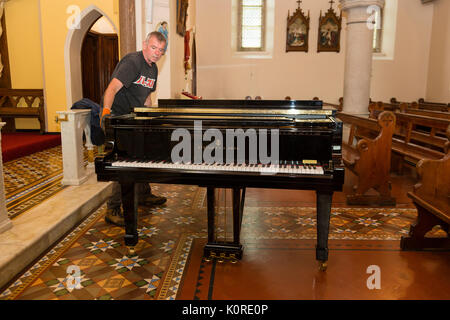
{"x": 127, "y": 21}
{"x": 5, "y": 78}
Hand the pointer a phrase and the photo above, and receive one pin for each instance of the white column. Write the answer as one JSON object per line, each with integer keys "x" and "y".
{"x": 5, "y": 222}
{"x": 358, "y": 54}
{"x": 73, "y": 124}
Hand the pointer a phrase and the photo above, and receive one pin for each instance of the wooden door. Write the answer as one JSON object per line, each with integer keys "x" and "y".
{"x": 99, "y": 57}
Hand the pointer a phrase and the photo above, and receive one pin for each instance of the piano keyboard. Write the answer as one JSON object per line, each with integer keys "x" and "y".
{"x": 285, "y": 167}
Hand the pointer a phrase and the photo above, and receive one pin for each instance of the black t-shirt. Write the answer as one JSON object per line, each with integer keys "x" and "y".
{"x": 139, "y": 80}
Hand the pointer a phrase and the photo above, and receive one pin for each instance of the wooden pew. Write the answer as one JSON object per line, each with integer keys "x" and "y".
{"x": 338, "y": 107}
{"x": 413, "y": 108}
{"x": 9, "y": 107}
{"x": 411, "y": 143}
{"x": 421, "y": 104}
{"x": 370, "y": 157}
{"x": 375, "y": 108}
{"x": 431, "y": 196}
{"x": 436, "y": 106}
{"x": 405, "y": 108}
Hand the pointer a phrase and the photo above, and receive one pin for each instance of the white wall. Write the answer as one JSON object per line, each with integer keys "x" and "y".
{"x": 305, "y": 75}
{"x": 438, "y": 86}
{"x": 405, "y": 77}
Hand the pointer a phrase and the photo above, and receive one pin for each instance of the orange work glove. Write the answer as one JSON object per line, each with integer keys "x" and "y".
{"x": 105, "y": 113}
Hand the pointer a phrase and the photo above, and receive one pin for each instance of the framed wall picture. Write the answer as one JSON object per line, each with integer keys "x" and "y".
{"x": 297, "y": 32}
{"x": 329, "y": 36}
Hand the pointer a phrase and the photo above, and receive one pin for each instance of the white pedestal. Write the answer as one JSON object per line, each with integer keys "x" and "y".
{"x": 73, "y": 124}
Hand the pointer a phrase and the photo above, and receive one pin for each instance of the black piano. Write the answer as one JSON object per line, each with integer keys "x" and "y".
{"x": 235, "y": 144}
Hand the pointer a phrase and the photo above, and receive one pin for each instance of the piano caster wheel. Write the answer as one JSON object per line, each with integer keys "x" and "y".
{"x": 131, "y": 251}
{"x": 323, "y": 266}
{"x": 211, "y": 257}
{"x": 221, "y": 258}
{"x": 233, "y": 259}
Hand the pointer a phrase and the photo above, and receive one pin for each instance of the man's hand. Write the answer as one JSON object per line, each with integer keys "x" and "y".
{"x": 105, "y": 113}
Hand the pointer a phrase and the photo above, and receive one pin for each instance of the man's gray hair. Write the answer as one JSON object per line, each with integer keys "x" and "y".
{"x": 158, "y": 35}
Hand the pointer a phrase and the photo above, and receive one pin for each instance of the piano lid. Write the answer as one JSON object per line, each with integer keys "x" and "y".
{"x": 233, "y": 112}
{"x": 223, "y": 103}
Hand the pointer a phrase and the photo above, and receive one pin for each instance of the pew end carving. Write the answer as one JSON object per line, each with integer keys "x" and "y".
{"x": 369, "y": 158}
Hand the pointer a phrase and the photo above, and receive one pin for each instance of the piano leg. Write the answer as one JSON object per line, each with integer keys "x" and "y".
{"x": 210, "y": 198}
{"x": 224, "y": 250}
{"x": 238, "y": 208}
{"x": 236, "y": 215}
{"x": 323, "y": 225}
{"x": 129, "y": 213}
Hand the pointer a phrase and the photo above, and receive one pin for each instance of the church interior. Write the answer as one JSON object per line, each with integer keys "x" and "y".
{"x": 379, "y": 69}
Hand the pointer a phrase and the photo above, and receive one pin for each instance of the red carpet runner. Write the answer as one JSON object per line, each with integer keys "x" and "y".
{"x": 20, "y": 144}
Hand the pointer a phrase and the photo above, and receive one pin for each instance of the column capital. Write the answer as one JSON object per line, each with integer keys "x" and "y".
{"x": 349, "y": 4}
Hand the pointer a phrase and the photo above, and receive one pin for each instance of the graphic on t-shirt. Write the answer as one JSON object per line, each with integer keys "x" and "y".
{"x": 145, "y": 82}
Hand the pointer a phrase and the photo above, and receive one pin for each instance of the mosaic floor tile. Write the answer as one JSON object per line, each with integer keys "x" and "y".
{"x": 93, "y": 263}
{"x": 32, "y": 179}
{"x": 166, "y": 233}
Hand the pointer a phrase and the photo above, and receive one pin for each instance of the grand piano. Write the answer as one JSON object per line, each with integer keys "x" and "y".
{"x": 232, "y": 144}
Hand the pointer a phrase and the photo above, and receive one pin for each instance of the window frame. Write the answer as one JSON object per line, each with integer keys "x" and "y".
{"x": 378, "y": 34}
{"x": 240, "y": 48}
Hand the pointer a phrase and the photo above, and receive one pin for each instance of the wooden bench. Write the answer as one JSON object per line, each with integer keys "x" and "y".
{"x": 10, "y": 107}
{"x": 411, "y": 143}
{"x": 370, "y": 157}
{"x": 436, "y": 106}
{"x": 422, "y": 104}
{"x": 405, "y": 108}
{"x": 412, "y": 108}
{"x": 375, "y": 108}
{"x": 325, "y": 104}
{"x": 431, "y": 196}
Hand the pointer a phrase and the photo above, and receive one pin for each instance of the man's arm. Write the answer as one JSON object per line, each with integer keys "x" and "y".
{"x": 108, "y": 98}
{"x": 110, "y": 93}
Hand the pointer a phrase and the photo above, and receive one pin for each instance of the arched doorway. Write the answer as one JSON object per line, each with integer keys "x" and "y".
{"x": 72, "y": 52}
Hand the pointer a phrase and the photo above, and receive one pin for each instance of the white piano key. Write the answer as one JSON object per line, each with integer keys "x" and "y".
{"x": 287, "y": 168}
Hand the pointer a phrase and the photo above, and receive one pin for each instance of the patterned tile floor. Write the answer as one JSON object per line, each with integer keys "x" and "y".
{"x": 95, "y": 252}
{"x": 92, "y": 262}
{"x": 32, "y": 179}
